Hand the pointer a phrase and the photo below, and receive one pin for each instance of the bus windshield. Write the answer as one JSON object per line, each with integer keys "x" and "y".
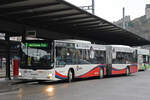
{"x": 36, "y": 55}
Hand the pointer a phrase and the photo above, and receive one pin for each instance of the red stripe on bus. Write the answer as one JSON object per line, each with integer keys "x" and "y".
{"x": 133, "y": 69}
{"x": 58, "y": 74}
{"x": 118, "y": 71}
{"x": 93, "y": 72}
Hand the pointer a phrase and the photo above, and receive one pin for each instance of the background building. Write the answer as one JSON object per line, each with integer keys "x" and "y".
{"x": 147, "y": 11}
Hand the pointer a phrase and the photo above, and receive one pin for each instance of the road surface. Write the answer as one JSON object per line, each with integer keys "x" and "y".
{"x": 134, "y": 87}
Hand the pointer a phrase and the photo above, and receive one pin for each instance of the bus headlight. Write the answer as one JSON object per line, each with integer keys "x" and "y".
{"x": 50, "y": 75}
{"x": 20, "y": 74}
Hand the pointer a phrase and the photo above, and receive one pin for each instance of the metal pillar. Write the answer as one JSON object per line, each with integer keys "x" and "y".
{"x": 7, "y": 38}
{"x": 23, "y": 36}
{"x": 93, "y": 7}
{"x": 123, "y": 22}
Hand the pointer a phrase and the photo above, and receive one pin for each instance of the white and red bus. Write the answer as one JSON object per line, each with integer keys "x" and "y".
{"x": 70, "y": 59}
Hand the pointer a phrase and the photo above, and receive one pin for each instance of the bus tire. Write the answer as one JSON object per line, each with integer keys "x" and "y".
{"x": 70, "y": 76}
{"x": 127, "y": 71}
{"x": 101, "y": 73}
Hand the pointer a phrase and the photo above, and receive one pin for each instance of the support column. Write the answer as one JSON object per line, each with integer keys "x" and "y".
{"x": 23, "y": 36}
{"x": 7, "y": 39}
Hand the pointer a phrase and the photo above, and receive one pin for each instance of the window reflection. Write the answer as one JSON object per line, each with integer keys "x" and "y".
{"x": 72, "y": 56}
{"x": 123, "y": 58}
{"x": 32, "y": 56}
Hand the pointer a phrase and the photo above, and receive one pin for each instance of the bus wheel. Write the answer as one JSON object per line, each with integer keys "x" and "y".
{"x": 127, "y": 71}
{"x": 101, "y": 73}
{"x": 70, "y": 76}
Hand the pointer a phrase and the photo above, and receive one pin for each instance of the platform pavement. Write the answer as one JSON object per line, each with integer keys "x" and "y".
{"x": 7, "y": 85}
{"x": 3, "y": 73}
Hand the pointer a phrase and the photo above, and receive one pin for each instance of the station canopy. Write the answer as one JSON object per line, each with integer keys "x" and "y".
{"x": 58, "y": 19}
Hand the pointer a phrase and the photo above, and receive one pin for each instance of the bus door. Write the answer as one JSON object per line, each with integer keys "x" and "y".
{"x": 109, "y": 60}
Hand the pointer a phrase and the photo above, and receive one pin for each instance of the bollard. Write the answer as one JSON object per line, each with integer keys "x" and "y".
{"x": 15, "y": 68}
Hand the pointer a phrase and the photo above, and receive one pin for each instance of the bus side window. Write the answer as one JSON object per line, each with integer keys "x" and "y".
{"x": 100, "y": 57}
{"x": 60, "y": 56}
{"x": 68, "y": 56}
{"x": 77, "y": 56}
{"x": 120, "y": 58}
{"x": 144, "y": 59}
{"x": 82, "y": 56}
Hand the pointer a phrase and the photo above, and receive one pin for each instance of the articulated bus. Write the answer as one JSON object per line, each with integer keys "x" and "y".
{"x": 143, "y": 59}
{"x": 70, "y": 59}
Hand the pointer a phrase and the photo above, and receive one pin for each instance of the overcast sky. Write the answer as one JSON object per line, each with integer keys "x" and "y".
{"x": 111, "y": 10}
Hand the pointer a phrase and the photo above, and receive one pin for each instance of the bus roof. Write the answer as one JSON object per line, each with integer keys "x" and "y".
{"x": 143, "y": 51}
{"x": 98, "y": 47}
{"x": 73, "y": 41}
{"x": 122, "y": 48}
